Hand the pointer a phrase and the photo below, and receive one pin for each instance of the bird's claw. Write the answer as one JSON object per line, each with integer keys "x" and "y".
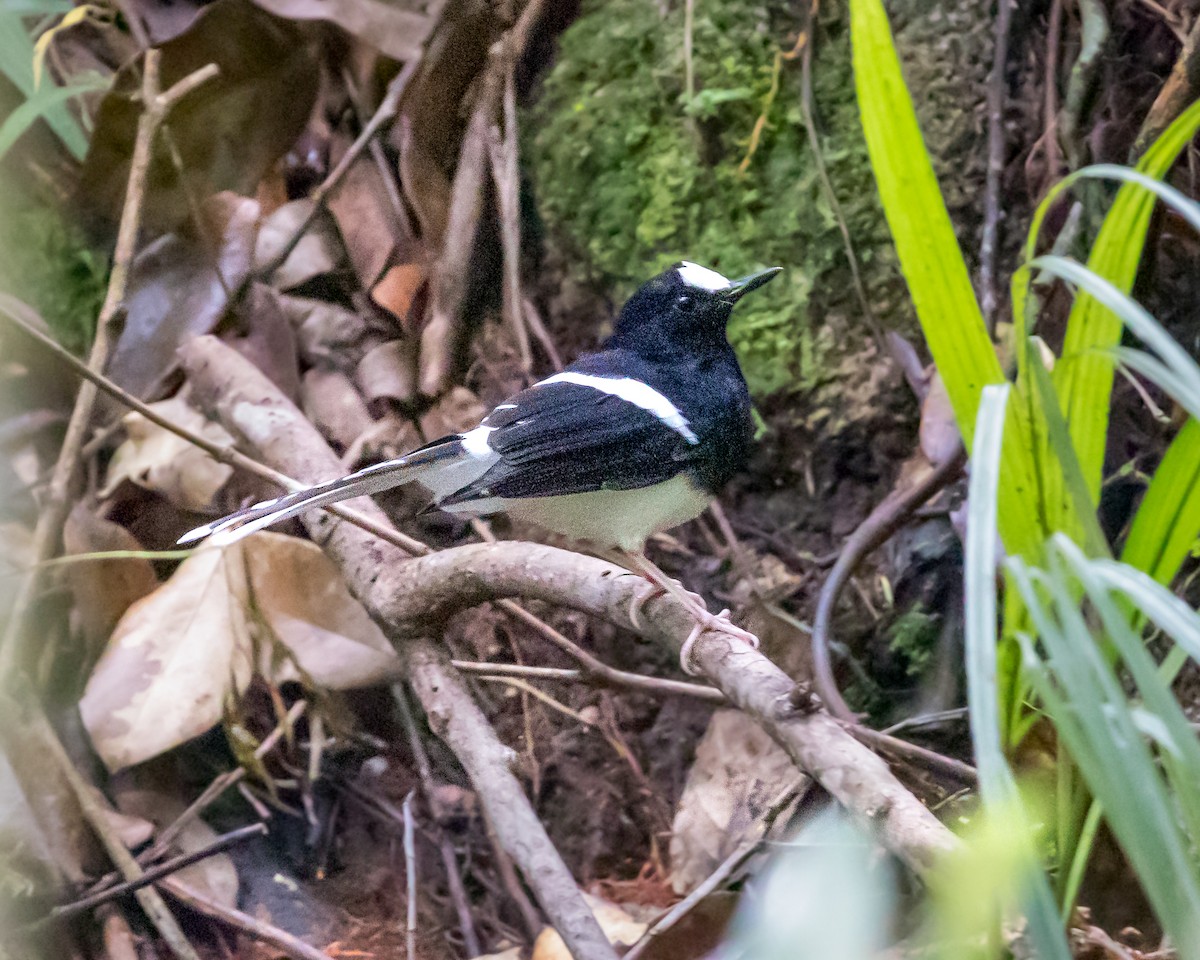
{"x": 719, "y": 622}
{"x": 645, "y": 593}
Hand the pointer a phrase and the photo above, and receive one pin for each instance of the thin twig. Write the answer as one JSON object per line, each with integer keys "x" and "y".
{"x": 458, "y": 892}
{"x": 257, "y": 929}
{"x": 156, "y": 106}
{"x": 988, "y": 245}
{"x": 410, "y": 876}
{"x": 167, "y": 867}
{"x": 384, "y": 113}
{"x": 96, "y": 811}
{"x": 883, "y": 521}
{"x": 512, "y": 883}
{"x": 727, "y": 868}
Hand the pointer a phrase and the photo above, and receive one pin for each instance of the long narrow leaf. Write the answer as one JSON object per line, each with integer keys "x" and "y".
{"x": 1167, "y": 521}
{"x": 1085, "y": 384}
{"x": 41, "y": 104}
{"x": 932, "y": 261}
{"x": 996, "y": 781}
{"x": 16, "y": 61}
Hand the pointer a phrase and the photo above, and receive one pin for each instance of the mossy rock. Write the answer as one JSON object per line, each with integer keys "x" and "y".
{"x": 632, "y": 174}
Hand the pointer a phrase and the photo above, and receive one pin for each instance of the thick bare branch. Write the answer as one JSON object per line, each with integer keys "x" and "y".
{"x": 411, "y": 598}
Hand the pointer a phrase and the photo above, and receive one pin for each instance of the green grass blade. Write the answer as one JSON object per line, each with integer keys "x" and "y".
{"x": 1085, "y": 383}
{"x": 996, "y": 783}
{"x": 1167, "y": 521}
{"x": 47, "y": 98}
{"x": 932, "y": 261}
{"x": 16, "y": 61}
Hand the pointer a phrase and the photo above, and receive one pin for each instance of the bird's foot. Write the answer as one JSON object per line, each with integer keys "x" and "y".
{"x": 718, "y": 622}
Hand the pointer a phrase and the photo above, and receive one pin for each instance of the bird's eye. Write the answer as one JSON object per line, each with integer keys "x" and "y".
{"x": 686, "y": 304}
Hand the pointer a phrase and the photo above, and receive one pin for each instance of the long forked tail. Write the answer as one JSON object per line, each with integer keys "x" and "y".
{"x": 370, "y": 480}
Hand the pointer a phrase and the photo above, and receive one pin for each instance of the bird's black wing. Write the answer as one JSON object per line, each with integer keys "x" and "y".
{"x": 561, "y": 438}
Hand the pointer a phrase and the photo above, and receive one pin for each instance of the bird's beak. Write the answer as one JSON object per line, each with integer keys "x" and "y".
{"x": 739, "y": 288}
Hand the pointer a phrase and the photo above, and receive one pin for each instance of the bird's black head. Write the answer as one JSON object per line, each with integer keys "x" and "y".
{"x": 683, "y": 308}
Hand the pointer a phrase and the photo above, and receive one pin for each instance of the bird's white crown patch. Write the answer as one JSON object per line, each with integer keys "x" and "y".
{"x": 702, "y": 278}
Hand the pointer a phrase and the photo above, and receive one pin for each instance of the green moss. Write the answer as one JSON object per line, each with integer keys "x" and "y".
{"x": 631, "y": 178}
{"x": 45, "y": 261}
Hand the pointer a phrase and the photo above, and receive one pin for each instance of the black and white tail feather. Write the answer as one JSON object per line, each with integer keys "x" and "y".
{"x": 366, "y": 482}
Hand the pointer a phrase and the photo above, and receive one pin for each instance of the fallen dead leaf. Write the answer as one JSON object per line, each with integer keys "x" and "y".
{"x": 176, "y": 654}
{"x": 318, "y": 252}
{"x": 620, "y": 928}
{"x": 159, "y": 460}
{"x": 738, "y": 772}
{"x": 176, "y": 292}
{"x": 326, "y": 334}
{"x": 103, "y": 589}
{"x": 226, "y": 138}
{"x": 164, "y": 675}
{"x": 457, "y": 411}
{"x": 334, "y": 405}
{"x": 363, "y": 210}
{"x": 270, "y": 343}
{"x": 302, "y": 598}
{"x": 398, "y": 288}
{"x": 938, "y": 435}
{"x": 398, "y": 29}
{"x": 389, "y": 371}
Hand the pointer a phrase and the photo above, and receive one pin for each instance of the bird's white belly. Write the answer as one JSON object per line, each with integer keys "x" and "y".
{"x": 608, "y": 518}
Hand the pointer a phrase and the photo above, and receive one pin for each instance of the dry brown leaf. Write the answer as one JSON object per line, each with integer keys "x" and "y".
{"x": 171, "y": 660}
{"x": 103, "y": 589}
{"x": 270, "y": 343}
{"x": 326, "y": 334}
{"x": 620, "y": 928}
{"x": 389, "y": 371}
{"x": 176, "y": 654}
{"x": 398, "y": 288}
{"x": 397, "y": 29}
{"x": 739, "y": 771}
{"x": 334, "y": 405}
{"x": 176, "y": 293}
{"x": 227, "y": 137}
{"x": 302, "y": 598}
{"x": 363, "y": 210}
{"x": 159, "y": 460}
{"x": 939, "y": 436}
{"x": 458, "y": 411}
{"x": 318, "y": 252}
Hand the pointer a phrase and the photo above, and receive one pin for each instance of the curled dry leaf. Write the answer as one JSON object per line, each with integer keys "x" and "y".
{"x": 739, "y": 771}
{"x": 389, "y": 372}
{"x": 159, "y": 460}
{"x": 326, "y": 334}
{"x": 270, "y": 343}
{"x": 939, "y": 436}
{"x": 319, "y": 250}
{"x": 103, "y": 590}
{"x": 334, "y": 405}
{"x": 170, "y": 661}
{"x": 398, "y": 289}
{"x": 227, "y": 140}
{"x": 177, "y": 292}
{"x": 458, "y": 411}
{"x": 362, "y": 207}
{"x": 398, "y": 29}
{"x": 175, "y": 655}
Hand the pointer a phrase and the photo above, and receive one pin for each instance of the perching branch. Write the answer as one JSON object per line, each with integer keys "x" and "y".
{"x": 411, "y": 599}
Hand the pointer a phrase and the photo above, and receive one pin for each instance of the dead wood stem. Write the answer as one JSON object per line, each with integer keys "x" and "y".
{"x": 411, "y": 599}
{"x": 883, "y": 521}
{"x": 989, "y": 242}
{"x": 95, "y": 810}
{"x": 384, "y": 113}
{"x": 175, "y": 864}
{"x": 156, "y": 107}
{"x": 290, "y": 945}
{"x": 449, "y": 859}
{"x": 593, "y": 670}
{"x": 441, "y": 335}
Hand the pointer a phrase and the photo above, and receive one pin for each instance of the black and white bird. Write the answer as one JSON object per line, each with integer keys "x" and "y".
{"x": 624, "y": 443}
